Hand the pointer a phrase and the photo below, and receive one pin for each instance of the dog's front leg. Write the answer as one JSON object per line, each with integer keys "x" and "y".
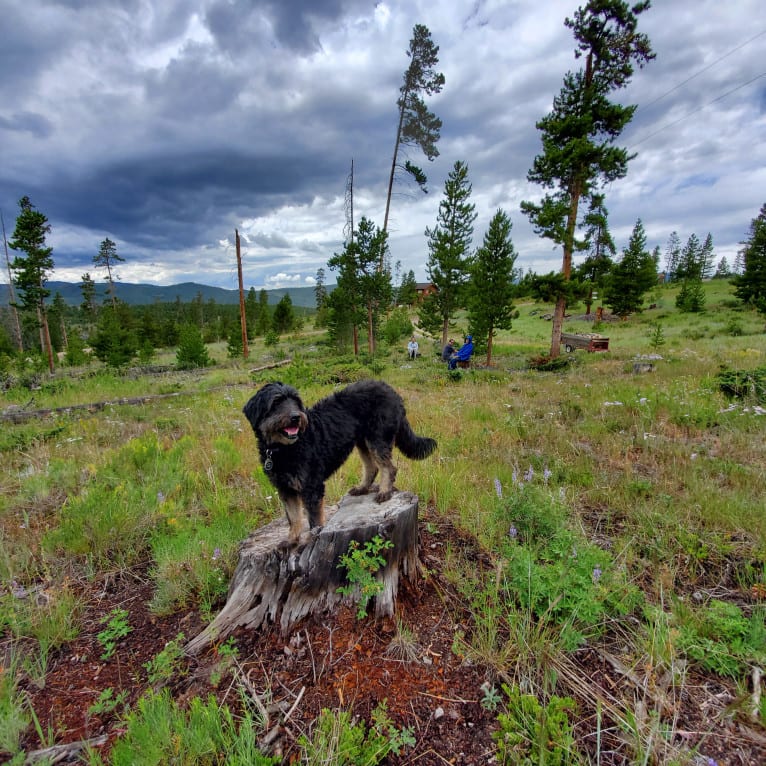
{"x": 295, "y": 515}
{"x": 313, "y": 501}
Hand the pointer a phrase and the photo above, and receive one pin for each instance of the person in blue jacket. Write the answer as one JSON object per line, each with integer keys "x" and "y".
{"x": 463, "y": 354}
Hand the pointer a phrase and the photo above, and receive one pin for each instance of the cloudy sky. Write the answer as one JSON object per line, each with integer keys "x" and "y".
{"x": 167, "y": 124}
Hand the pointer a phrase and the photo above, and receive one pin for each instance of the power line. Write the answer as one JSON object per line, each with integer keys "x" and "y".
{"x": 698, "y": 109}
{"x": 703, "y": 70}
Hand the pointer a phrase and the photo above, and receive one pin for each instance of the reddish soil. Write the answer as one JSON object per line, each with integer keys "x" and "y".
{"x": 340, "y": 662}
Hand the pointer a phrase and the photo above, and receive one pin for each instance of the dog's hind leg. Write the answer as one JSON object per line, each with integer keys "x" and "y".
{"x": 382, "y": 457}
{"x": 370, "y": 472}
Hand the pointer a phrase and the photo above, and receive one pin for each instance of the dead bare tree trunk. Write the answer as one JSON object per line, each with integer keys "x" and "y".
{"x": 277, "y": 583}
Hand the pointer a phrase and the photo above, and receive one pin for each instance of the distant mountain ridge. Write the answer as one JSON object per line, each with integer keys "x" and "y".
{"x": 140, "y": 294}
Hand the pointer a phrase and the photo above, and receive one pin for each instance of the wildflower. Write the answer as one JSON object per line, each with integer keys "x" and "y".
{"x": 513, "y": 533}
{"x": 160, "y": 497}
{"x": 498, "y": 488}
{"x": 515, "y": 476}
{"x": 596, "y": 574}
{"x": 216, "y": 554}
{"x": 547, "y": 473}
{"x": 529, "y": 474}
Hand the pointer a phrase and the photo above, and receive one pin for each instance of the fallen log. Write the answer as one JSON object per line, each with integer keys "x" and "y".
{"x": 274, "y": 582}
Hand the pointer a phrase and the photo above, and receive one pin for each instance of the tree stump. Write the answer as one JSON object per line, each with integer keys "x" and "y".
{"x": 275, "y": 582}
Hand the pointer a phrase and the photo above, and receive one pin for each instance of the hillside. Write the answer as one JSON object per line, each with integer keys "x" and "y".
{"x": 142, "y": 294}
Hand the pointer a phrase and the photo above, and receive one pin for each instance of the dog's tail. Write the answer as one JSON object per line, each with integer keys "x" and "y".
{"x": 413, "y": 446}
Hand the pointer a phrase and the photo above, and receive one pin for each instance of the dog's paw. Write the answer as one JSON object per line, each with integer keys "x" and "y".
{"x": 382, "y": 497}
{"x": 357, "y": 491}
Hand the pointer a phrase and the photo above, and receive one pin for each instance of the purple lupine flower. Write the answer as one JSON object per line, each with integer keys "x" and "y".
{"x": 160, "y": 497}
{"x": 515, "y": 476}
{"x": 529, "y": 474}
{"x": 547, "y": 473}
{"x": 513, "y": 533}
{"x": 216, "y": 554}
{"x": 596, "y": 574}
{"x": 498, "y": 488}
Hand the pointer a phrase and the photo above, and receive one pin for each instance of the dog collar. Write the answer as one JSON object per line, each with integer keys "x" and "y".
{"x": 268, "y": 463}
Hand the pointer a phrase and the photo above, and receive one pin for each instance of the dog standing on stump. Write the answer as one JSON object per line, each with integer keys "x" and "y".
{"x": 300, "y": 449}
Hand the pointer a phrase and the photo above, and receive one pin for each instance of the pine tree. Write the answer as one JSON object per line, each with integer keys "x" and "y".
{"x": 320, "y": 295}
{"x": 490, "y": 291}
{"x": 751, "y": 283}
{"x": 107, "y": 258}
{"x": 363, "y": 283}
{"x": 691, "y": 265}
{"x": 600, "y": 247}
{"x": 449, "y": 243}
{"x": 191, "y": 352}
{"x": 417, "y": 125}
{"x": 32, "y": 269}
{"x": 672, "y": 256}
{"x": 263, "y": 323}
{"x": 632, "y": 276}
{"x": 707, "y": 256}
{"x": 88, "y": 290}
{"x": 578, "y": 135}
{"x": 407, "y": 294}
{"x": 284, "y": 316}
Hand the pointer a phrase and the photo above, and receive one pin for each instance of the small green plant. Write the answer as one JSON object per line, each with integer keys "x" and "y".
{"x": 340, "y": 740}
{"x": 656, "y": 337}
{"x": 117, "y": 627}
{"x": 168, "y": 663}
{"x": 533, "y": 733}
{"x": 108, "y": 702}
{"x": 14, "y": 715}
{"x": 362, "y": 564}
{"x": 227, "y": 657}
{"x": 205, "y": 732}
{"x": 491, "y": 697}
{"x": 720, "y": 638}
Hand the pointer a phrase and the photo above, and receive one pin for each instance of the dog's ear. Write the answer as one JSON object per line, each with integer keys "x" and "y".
{"x": 260, "y": 403}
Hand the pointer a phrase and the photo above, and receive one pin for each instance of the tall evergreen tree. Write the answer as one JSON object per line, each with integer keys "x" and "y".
{"x": 707, "y": 257}
{"x": 363, "y": 283}
{"x": 449, "y": 243}
{"x": 600, "y": 248}
{"x": 408, "y": 289}
{"x": 672, "y": 256}
{"x": 417, "y": 125}
{"x": 320, "y": 296}
{"x": 284, "y": 315}
{"x": 88, "y": 291}
{"x": 691, "y": 265}
{"x": 578, "y": 135}
{"x": 632, "y": 276}
{"x": 263, "y": 323}
{"x": 108, "y": 258}
{"x": 722, "y": 271}
{"x": 751, "y": 283}
{"x": 251, "y": 312}
{"x": 31, "y": 270}
{"x": 491, "y": 289}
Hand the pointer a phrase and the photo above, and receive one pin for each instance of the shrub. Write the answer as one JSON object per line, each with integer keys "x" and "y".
{"x": 192, "y": 352}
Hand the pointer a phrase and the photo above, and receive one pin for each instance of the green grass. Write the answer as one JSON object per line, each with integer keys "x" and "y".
{"x": 654, "y": 479}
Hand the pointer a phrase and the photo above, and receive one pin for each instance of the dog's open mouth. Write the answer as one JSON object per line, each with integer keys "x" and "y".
{"x": 291, "y": 432}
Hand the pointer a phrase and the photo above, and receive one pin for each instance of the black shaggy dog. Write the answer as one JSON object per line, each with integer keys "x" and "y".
{"x": 300, "y": 449}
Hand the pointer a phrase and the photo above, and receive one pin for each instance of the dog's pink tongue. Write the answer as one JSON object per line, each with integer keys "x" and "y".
{"x": 292, "y": 431}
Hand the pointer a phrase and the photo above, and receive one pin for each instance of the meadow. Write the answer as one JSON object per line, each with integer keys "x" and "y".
{"x": 616, "y": 516}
